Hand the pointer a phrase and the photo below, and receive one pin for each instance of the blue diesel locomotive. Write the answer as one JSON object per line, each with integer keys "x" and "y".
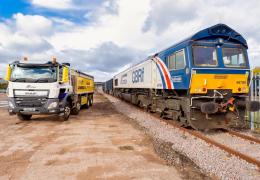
{"x": 202, "y": 81}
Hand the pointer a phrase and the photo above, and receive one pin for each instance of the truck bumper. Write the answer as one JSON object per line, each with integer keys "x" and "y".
{"x": 51, "y": 106}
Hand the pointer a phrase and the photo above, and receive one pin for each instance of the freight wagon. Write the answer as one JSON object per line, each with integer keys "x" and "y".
{"x": 202, "y": 81}
{"x": 47, "y": 88}
{"x": 108, "y": 86}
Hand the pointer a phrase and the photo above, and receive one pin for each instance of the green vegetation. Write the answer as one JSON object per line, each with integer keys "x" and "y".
{"x": 256, "y": 118}
{"x": 3, "y": 85}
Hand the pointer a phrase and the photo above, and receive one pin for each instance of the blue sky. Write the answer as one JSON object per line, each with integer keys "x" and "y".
{"x": 10, "y": 7}
{"x": 102, "y": 37}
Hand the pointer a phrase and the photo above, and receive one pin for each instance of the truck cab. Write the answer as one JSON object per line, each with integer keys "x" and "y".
{"x": 44, "y": 88}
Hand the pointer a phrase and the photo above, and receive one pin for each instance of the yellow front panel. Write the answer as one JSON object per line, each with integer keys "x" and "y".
{"x": 200, "y": 83}
{"x": 84, "y": 85}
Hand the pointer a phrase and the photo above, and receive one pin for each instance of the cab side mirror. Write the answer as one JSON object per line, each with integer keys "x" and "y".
{"x": 65, "y": 74}
{"x": 8, "y": 73}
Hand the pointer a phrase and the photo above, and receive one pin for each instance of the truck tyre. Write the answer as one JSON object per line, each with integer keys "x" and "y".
{"x": 24, "y": 117}
{"x": 91, "y": 100}
{"x": 67, "y": 112}
{"x": 76, "y": 109}
{"x": 86, "y": 106}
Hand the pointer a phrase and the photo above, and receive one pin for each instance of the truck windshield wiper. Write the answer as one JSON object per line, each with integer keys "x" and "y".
{"x": 18, "y": 80}
{"x": 44, "y": 80}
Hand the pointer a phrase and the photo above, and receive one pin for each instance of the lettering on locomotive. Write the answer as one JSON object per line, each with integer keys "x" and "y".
{"x": 177, "y": 79}
{"x": 138, "y": 75}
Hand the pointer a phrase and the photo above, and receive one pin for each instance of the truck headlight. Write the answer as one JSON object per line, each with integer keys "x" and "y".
{"x": 11, "y": 105}
{"x": 53, "y": 105}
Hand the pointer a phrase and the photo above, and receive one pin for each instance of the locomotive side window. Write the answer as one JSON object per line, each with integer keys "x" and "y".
{"x": 180, "y": 61}
{"x": 205, "y": 56}
{"x": 116, "y": 82}
{"x": 171, "y": 62}
{"x": 176, "y": 61}
{"x": 233, "y": 57}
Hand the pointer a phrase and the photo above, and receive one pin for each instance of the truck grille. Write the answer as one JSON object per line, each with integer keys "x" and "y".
{"x": 30, "y": 102}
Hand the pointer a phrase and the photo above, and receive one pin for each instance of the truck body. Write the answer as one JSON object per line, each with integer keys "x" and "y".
{"x": 47, "y": 88}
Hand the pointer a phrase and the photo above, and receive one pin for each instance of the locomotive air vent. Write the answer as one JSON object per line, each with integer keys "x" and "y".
{"x": 220, "y": 30}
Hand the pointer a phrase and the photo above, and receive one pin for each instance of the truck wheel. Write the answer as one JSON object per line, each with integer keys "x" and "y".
{"x": 91, "y": 100}
{"x": 67, "y": 111}
{"x": 86, "y": 106}
{"x": 24, "y": 117}
{"x": 75, "y": 110}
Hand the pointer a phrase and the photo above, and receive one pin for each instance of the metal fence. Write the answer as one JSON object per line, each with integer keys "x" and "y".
{"x": 254, "y": 117}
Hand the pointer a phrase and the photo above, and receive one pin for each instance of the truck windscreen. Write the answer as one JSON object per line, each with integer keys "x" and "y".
{"x": 34, "y": 74}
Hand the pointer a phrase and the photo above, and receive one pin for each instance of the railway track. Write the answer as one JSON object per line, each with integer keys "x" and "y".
{"x": 211, "y": 141}
{"x": 222, "y": 146}
{"x": 243, "y": 136}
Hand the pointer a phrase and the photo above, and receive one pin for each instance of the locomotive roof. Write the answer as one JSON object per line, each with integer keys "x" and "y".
{"x": 217, "y": 31}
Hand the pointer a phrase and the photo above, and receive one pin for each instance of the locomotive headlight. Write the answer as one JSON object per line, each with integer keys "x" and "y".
{"x": 244, "y": 89}
{"x": 220, "y": 41}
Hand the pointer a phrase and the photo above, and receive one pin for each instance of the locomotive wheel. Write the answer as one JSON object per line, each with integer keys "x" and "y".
{"x": 215, "y": 121}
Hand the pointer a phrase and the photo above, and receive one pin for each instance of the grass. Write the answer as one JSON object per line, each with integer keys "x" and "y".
{"x": 256, "y": 118}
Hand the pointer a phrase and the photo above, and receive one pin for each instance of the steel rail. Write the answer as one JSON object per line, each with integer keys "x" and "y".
{"x": 225, "y": 148}
{"x": 201, "y": 136}
{"x": 243, "y": 136}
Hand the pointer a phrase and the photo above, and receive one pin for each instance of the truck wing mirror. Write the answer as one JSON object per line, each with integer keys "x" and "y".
{"x": 8, "y": 73}
{"x": 65, "y": 74}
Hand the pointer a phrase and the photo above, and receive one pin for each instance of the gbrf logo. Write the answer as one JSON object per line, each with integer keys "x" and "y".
{"x": 138, "y": 75}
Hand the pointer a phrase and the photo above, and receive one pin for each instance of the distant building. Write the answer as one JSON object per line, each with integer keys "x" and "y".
{"x": 98, "y": 85}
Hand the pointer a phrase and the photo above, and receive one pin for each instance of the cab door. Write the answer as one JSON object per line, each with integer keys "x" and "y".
{"x": 177, "y": 67}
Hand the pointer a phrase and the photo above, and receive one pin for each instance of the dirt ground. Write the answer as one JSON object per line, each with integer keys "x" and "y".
{"x": 97, "y": 144}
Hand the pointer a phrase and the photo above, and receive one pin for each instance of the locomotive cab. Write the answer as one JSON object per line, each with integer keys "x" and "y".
{"x": 219, "y": 80}
{"x": 211, "y": 71}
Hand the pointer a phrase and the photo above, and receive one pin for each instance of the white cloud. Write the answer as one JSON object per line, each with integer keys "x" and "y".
{"x": 123, "y": 28}
{"x": 32, "y": 24}
{"x": 119, "y": 32}
{"x": 53, "y": 4}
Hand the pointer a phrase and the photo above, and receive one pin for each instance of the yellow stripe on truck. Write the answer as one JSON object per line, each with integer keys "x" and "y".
{"x": 201, "y": 83}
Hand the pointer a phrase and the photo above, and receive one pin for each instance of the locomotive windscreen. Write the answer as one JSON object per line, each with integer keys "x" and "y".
{"x": 205, "y": 56}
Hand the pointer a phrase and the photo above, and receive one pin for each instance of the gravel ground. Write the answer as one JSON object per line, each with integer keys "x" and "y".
{"x": 99, "y": 143}
{"x": 244, "y": 146}
{"x": 211, "y": 160}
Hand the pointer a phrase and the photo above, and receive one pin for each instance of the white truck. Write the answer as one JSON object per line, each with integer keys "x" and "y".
{"x": 47, "y": 88}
